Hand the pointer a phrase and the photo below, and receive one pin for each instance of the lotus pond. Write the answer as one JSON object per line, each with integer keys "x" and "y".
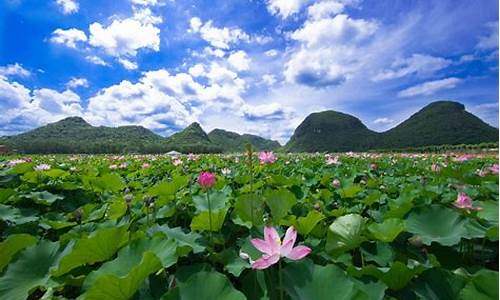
{"x": 315, "y": 226}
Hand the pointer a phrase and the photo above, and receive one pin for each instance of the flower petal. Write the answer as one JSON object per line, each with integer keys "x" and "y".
{"x": 265, "y": 261}
{"x": 272, "y": 238}
{"x": 262, "y": 246}
{"x": 288, "y": 241}
{"x": 299, "y": 252}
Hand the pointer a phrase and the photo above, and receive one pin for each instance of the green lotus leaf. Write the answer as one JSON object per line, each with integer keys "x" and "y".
{"x": 29, "y": 271}
{"x": 437, "y": 284}
{"x": 280, "y": 202}
{"x": 12, "y": 245}
{"x": 204, "y": 285}
{"x": 201, "y": 222}
{"x": 436, "y": 223}
{"x": 344, "y": 234}
{"x": 483, "y": 286}
{"x": 388, "y": 230}
{"x": 249, "y": 208}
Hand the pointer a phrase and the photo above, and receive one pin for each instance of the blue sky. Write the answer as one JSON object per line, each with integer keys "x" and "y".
{"x": 251, "y": 66}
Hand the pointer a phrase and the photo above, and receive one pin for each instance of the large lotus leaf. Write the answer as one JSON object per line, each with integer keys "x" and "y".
{"x": 436, "y": 223}
{"x": 181, "y": 238}
{"x": 207, "y": 221}
{"x": 307, "y": 281}
{"x": 44, "y": 197}
{"x": 17, "y": 216}
{"x": 280, "y": 202}
{"x": 249, "y": 208}
{"x": 396, "y": 277}
{"x": 100, "y": 246}
{"x": 350, "y": 191}
{"x": 116, "y": 287}
{"x": 13, "y": 244}
{"x": 306, "y": 224}
{"x": 437, "y": 284}
{"x": 131, "y": 256}
{"x": 5, "y": 194}
{"x": 204, "y": 285}
{"x": 388, "y": 230}
{"x": 29, "y": 271}
{"x": 108, "y": 182}
{"x": 483, "y": 286}
{"x": 344, "y": 234}
{"x": 218, "y": 200}
{"x": 489, "y": 211}
{"x": 117, "y": 209}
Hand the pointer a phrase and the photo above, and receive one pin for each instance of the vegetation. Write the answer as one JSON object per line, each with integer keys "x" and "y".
{"x": 439, "y": 123}
{"x": 233, "y": 142}
{"x": 154, "y": 227}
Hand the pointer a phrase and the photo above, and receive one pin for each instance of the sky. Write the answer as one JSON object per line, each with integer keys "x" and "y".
{"x": 249, "y": 66}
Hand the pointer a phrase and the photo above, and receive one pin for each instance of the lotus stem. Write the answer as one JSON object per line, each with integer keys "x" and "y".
{"x": 280, "y": 280}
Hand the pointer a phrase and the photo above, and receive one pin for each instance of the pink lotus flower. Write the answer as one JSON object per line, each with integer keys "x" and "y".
{"x": 273, "y": 248}
{"x": 42, "y": 167}
{"x": 113, "y": 167}
{"x": 267, "y": 157}
{"x": 16, "y": 162}
{"x": 435, "y": 168}
{"x": 206, "y": 180}
{"x": 146, "y": 166}
{"x": 336, "y": 183}
{"x": 177, "y": 161}
{"x": 465, "y": 202}
{"x": 494, "y": 169}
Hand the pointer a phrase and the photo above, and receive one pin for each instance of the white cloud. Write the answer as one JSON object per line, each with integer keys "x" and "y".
{"x": 147, "y": 2}
{"x": 325, "y": 9}
{"x": 271, "y": 53}
{"x": 239, "y": 60}
{"x": 489, "y": 41}
{"x": 68, "y": 37}
{"x": 77, "y": 82}
{"x": 14, "y": 70}
{"x": 124, "y": 37}
{"x": 96, "y": 60}
{"x": 197, "y": 70}
{"x": 285, "y": 8}
{"x": 330, "y": 50}
{"x": 269, "y": 79}
{"x": 332, "y": 31}
{"x": 430, "y": 87}
{"x": 68, "y": 6}
{"x": 384, "y": 121}
{"x": 218, "y": 37}
{"x": 270, "y": 111}
{"x": 127, "y": 64}
{"x": 417, "y": 64}
{"x": 50, "y": 101}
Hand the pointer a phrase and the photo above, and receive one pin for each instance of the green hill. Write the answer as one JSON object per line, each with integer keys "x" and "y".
{"x": 439, "y": 123}
{"x": 75, "y": 135}
{"x": 192, "y": 139}
{"x": 234, "y": 142}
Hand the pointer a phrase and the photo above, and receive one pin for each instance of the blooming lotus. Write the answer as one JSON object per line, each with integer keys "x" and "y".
{"x": 435, "y": 168}
{"x": 494, "y": 169}
{"x": 267, "y": 157}
{"x": 273, "y": 248}
{"x": 226, "y": 171}
{"x": 206, "y": 180}
{"x": 146, "y": 166}
{"x": 465, "y": 202}
{"x": 42, "y": 167}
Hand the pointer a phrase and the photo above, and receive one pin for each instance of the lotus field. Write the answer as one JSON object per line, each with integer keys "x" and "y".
{"x": 249, "y": 226}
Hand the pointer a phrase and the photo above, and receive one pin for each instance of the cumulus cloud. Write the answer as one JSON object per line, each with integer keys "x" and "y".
{"x": 417, "y": 64}
{"x": 14, "y": 70}
{"x": 325, "y": 9}
{"x": 75, "y": 82}
{"x": 489, "y": 41}
{"x": 270, "y": 111}
{"x": 147, "y": 2}
{"x": 383, "y": 121}
{"x": 69, "y": 37}
{"x": 124, "y": 37}
{"x": 271, "y": 53}
{"x": 68, "y": 6}
{"x": 329, "y": 50}
{"x": 218, "y": 37}
{"x": 430, "y": 87}
{"x": 96, "y": 60}
{"x": 285, "y": 8}
{"x": 239, "y": 60}
{"x": 269, "y": 79}
{"x": 127, "y": 64}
